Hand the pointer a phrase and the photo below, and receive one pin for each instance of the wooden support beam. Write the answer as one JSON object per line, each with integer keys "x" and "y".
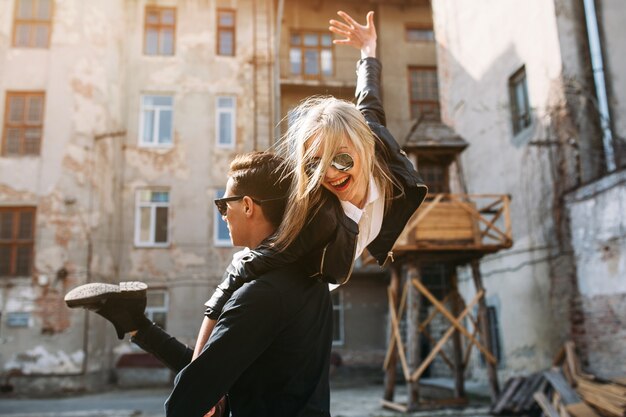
{"x": 399, "y": 313}
{"x": 419, "y": 371}
{"x": 413, "y": 340}
{"x": 395, "y": 328}
{"x": 392, "y": 356}
{"x": 459, "y": 368}
{"x": 455, "y": 321}
{"x": 483, "y": 321}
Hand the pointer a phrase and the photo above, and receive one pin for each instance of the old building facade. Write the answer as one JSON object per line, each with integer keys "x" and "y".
{"x": 532, "y": 112}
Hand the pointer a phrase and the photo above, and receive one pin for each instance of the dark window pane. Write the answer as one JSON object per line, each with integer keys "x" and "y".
{"x": 311, "y": 60}
{"x": 226, "y": 18}
{"x": 420, "y": 35}
{"x": 160, "y": 197}
{"x": 160, "y": 227}
{"x": 152, "y": 17}
{"x": 32, "y": 140}
{"x": 295, "y": 39}
{"x": 152, "y": 41}
{"x": 25, "y": 9}
{"x": 167, "y": 17}
{"x": 6, "y": 225}
{"x": 44, "y": 9}
{"x": 226, "y": 42}
{"x": 12, "y": 144}
{"x": 165, "y": 127}
{"x": 24, "y": 260}
{"x": 327, "y": 40}
{"x": 167, "y": 42}
{"x": 35, "y": 110}
{"x": 310, "y": 39}
{"x": 5, "y": 260}
{"x": 25, "y": 225}
{"x": 16, "y": 109}
{"x": 41, "y": 36}
{"x": 22, "y": 34}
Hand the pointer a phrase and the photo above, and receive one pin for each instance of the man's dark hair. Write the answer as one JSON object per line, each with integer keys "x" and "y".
{"x": 259, "y": 175}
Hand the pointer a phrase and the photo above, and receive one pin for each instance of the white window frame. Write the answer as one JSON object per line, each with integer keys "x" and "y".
{"x": 152, "y": 206}
{"x": 222, "y": 243}
{"x": 233, "y": 124}
{"x": 150, "y": 310}
{"x": 154, "y": 143}
{"x": 340, "y": 308}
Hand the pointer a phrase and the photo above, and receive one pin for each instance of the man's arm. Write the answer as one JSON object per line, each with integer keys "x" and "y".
{"x": 245, "y": 329}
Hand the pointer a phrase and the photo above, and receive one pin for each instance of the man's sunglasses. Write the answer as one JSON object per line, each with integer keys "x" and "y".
{"x": 222, "y": 207}
{"x": 341, "y": 162}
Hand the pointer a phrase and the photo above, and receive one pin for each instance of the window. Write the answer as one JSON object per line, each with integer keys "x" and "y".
{"x": 424, "y": 93}
{"x": 23, "y": 123}
{"x": 17, "y": 231}
{"x": 151, "y": 218}
{"x": 419, "y": 34}
{"x": 221, "y": 235}
{"x": 225, "y": 121}
{"x": 311, "y": 54}
{"x": 225, "y": 32}
{"x": 156, "y": 120}
{"x": 32, "y": 23}
{"x": 156, "y": 307}
{"x": 494, "y": 335}
{"x": 159, "y": 31}
{"x": 436, "y": 176}
{"x": 338, "y": 329}
{"x": 518, "y": 93}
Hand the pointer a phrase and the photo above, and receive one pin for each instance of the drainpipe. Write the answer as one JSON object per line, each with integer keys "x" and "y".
{"x": 595, "y": 50}
{"x": 279, "y": 25}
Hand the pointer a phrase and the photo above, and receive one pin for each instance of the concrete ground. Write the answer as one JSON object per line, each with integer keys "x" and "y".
{"x": 346, "y": 401}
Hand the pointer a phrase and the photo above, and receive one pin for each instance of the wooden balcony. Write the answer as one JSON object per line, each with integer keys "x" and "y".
{"x": 458, "y": 226}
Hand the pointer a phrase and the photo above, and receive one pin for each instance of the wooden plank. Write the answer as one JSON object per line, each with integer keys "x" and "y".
{"x": 545, "y": 405}
{"x": 502, "y": 402}
{"x": 581, "y": 409}
{"x": 560, "y": 385}
{"x": 395, "y": 326}
{"x": 390, "y": 405}
{"x": 399, "y": 313}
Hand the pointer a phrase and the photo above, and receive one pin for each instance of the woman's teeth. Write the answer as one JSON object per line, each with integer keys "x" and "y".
{"x": 340, "y": 183}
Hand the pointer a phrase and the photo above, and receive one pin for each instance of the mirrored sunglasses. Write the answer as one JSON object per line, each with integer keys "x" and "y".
{"x": 341, "y": 162}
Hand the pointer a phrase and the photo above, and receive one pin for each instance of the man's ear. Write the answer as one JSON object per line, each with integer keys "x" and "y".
{"x": 248, "y": 206}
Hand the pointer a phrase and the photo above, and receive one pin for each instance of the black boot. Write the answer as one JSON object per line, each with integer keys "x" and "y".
{"x": 123, "y": 304}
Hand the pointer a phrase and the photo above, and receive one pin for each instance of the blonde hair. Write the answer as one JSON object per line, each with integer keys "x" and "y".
{"x": 320, "y": 125}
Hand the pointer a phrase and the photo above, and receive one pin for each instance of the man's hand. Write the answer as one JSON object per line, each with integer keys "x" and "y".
{"x": 362, "y": 37}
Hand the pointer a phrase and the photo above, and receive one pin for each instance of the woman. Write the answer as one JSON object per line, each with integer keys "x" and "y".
{"x": 353, "y": 187}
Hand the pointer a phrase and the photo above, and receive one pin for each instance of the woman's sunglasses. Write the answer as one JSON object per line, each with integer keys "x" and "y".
{"x": 222, "y": 205}
{"x": 341, "y": 162}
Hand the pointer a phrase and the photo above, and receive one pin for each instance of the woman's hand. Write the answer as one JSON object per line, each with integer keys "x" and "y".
{"x": 362, "y": 37}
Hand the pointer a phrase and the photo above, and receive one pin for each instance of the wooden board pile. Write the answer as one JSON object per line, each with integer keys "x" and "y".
{"x": 563, "y": 391}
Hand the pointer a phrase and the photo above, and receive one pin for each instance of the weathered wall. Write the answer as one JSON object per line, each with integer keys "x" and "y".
{"x": 598, "y": 239}
{"x": 532, "y": 293}
{"x": 70, "y": 183}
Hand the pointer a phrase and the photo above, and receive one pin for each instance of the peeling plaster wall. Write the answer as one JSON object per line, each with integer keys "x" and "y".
{"x": 71, "y": 183}
{"x": 479, "y": 47}
{"x": 599, "y": 242}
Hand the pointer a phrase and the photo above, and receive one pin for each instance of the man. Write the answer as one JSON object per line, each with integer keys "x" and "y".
{"x": 270, "y": 348}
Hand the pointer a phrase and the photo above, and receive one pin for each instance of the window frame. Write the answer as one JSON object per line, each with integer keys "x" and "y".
{"x": 32, "y": 22}
{"x": 233, "y": 121}
{"x": 14, "y": 242}
{"x": 149, "y": 311}
{"x": 217, "y": 218}
{"x": 420, "y": 102}
{"x": 340, "y": 309}
{"x": 421, "y": 27}
{"x": 152, "y": 205}
{"x": 155, "y": 132}
{"x": 319, "y": 48}
{"x": 221, "y": 29}
{"x": 23, "y": 125}
{"x": 519, "y": 121}
{"x": 159, "y": 27}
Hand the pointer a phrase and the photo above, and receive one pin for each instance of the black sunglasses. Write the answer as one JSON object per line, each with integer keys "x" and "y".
{"x": 222, "y": 207}
{"x": 341, "y": 162}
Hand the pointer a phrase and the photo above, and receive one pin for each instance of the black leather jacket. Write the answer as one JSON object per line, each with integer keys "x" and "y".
{"x": 327, "y": 244}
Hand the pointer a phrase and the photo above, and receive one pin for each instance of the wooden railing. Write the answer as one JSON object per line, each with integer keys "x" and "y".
{"x": 472, "y": 222}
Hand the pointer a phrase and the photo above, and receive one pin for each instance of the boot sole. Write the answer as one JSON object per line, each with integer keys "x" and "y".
{"x": 89, "y": 294}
